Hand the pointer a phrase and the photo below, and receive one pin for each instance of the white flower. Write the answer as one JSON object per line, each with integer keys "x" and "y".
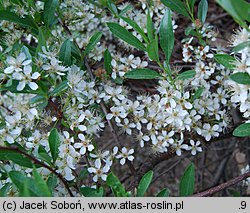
{"x": 125, "y": 154}
{"x": 142, "y": 138}
{"x": 194, "y": 147}
{"x": 126, "y": 126}
{"x": 117, "y": 112}
{"x": 179, "y": 146}
{"x": 111, "y": 157}
{"x": 84, "y": 145}
{"x": 209, "y": 131}
{"x": 77, "y": 124}
{"x": 74, "y": 76}
{"x": 55, "y": 67}
{"x": 98, "y": 171}
{"x": 26, "y": 77}
{"x": 16, "y": 63}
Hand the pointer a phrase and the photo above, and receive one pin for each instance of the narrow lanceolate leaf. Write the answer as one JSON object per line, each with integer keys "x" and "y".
{"x": 92, "y": 42}
{"x": 41, "y": 39}
{"x": 177, "y": 6}
{"x": 163, "y": 193}
{"x": 167, "y": 35}
{"x": 15, "y": 158}
{"x": 5, "y": 189}
{"x": 135, "y": 27}
{"x": 107, "y": 62}
{"x": 142, "y": 74}
{"x": 239, "y": 10}
{"x": 191, "y": 4}
{"x": 242, "y": 130}
{"x": 186, "y": 75}
{"x": 241, "y": 46}
{"x": 54, "y": 143}
{"x": 225, "y": 60}
{"x": 41, "y": 184}
{"x": 90, "y": 192}
{"x": 126, "y": 36}
{"x": 58, "y": 89}
{"x": 202, "y": 10}
{"x": 50, "y": 7}
{"x": 197, "y": 93}
{"x": 241, "y": 78}
{"x": 116, "y": 186}
{"x": 187, "y": 181}
{"x": 150, "y": 27}
{"x": 152, "y": 50}
{"x": 144, "y": 183}
{"x": 12, "y": 17}
{"x": 24, "y": 183}
{"x": 65, "y": 53}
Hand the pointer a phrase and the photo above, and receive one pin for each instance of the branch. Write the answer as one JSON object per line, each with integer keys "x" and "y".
{"x": 222, "y": 186}
{"x": 15, "y": 149}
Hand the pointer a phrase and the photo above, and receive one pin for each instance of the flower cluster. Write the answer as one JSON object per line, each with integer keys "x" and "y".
{"x": 49, "y": 103}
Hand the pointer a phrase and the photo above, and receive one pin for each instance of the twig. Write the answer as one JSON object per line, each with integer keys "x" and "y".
{"x": 222, "y": 186}
{"x": 15, "y": 149}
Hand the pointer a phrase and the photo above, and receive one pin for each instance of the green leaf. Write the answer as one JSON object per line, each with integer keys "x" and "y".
{"x": 54, "y": 143}
{"x": 176, "y": 5}
{"x": 125, "y": 35}
{"x": 65, "y": 53}
{"x": 92, "y": 43}
{"x": 142, "y": 74}
{"x": 226, "y": 60}
{"x": 152, "y": 50}
{"x": 116, "y": 186}
{"x": 107, "y": 62}
{"x": 112, "y": 7}
{"x": 197, "y": 93}
{"x": 187, "y": 181}
{"x": 191, "y": 4}
{"x": 26, "y": 51}
{"x": 52, "y": 182}
{"x": 202, "y": 10}
{"x": 16, "y": 158}
{"x": 27, "y": 21}
{"x": 76, "y": 53}
{"x": 13, "y": 88}
{"x": 150, "y": 27}
{"x": 241, "y": 78}
{"x": 50, "y": 7}
{"x": 167, "y": 35}
{"x": 242, "y": 130}
{"x": 44, "y": 155}
{"x": 135, "y": 27}
{"x": 24, "y": 184}
{"x": 144, "y": 183}
{"x": 163, "y": 193}
{"x": 24, "y": 191}
{"x": 126, "y": 9}
{"x": 41, "y": 39}
{"x": 186, "y": 75}
{"x": 235, "y": 193}
{"x": 90, "y": 192}
{"x": 41, "y": 184}
{"x": 5, "y": 189}
{"x": 241, "y": 46}
{"x": 2, "y": 124}
{"x": 37, "y": 99}
{"x": 59, "y": 88}
{"x": 239, "y": 10}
